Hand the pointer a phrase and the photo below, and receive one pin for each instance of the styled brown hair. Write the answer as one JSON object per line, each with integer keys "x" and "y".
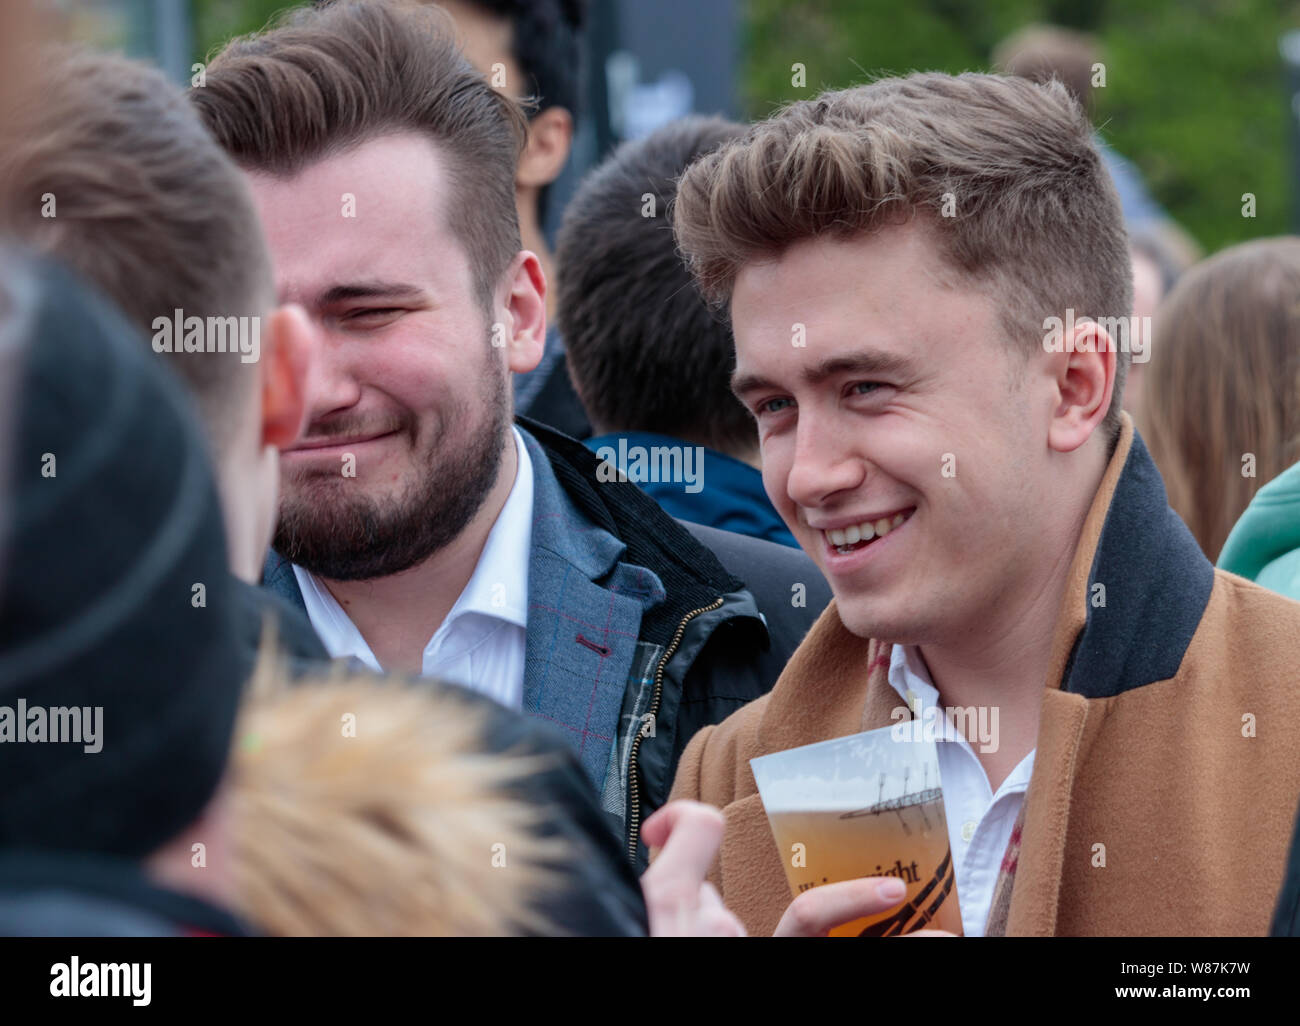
{"x": 332, "y": 77}
{"x": 1004, "y": 171}
{"x": 1223, "y": 383}
{"x": 105, "y": 166}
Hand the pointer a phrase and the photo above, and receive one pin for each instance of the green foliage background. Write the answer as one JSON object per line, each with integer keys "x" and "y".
{"x": 1194, "y": 88}
{"x": 215, "y": 21}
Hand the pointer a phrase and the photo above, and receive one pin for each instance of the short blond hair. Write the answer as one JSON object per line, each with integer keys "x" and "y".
{"x": 1004, "y": 171}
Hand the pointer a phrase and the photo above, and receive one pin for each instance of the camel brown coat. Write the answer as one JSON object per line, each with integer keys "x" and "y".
{"x": 1168, "y": 751}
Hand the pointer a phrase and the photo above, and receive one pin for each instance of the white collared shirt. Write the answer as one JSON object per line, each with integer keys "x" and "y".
{"x": 979, "y": 821}
{"x": 480, "y": 644}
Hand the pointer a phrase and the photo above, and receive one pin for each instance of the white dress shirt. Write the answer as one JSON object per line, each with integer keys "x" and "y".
{"x": 979, "y": 821}
{"x": 480, "y": 644}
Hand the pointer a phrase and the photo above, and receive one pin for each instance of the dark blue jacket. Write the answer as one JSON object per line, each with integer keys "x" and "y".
{"x": 729, "y": 494}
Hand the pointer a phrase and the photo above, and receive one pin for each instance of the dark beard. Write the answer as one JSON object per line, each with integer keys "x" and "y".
{"x": 354, "y": 538}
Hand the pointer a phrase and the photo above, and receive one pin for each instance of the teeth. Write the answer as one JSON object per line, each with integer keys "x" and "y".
{"x": 864, "y": 531}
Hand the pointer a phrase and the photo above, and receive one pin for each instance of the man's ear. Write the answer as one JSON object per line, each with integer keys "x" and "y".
{"x": 1085, "y": 380}
{"x": 284, "y": 376}
{"x": 523, "y": 334}
{"x": 550, "y": 137}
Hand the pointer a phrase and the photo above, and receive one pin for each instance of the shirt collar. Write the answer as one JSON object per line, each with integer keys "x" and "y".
{"x": 333, "y": 626}
{"x": 910, "y": 678}
{"x": 499, "y": 585}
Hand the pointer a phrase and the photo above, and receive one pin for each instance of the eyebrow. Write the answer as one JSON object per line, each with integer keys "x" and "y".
{"x": 860, "y": 362}
{"x": 342, "y": 293}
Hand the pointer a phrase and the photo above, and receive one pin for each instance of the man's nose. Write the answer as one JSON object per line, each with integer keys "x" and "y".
{"x": 332, "y": 382}
{"x": 826, "y": 461}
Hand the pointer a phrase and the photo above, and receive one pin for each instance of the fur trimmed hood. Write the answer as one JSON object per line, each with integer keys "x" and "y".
{"x": 363, "y": 807}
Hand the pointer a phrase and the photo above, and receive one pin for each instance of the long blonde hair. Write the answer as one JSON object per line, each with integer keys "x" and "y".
{"x": 1222, "y": 407}
{"x": 363, "y": 807}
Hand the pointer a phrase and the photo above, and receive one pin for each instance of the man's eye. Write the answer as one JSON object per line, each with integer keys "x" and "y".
{"x": 373, "y": 313}
{"x": 773, "y": 405}
{"x": 865, "y": 387}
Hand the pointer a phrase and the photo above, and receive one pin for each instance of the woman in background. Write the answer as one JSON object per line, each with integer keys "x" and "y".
{"x": 1222, "y": 406}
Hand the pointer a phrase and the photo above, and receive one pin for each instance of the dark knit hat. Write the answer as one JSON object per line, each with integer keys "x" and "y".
{"x": 115, "y": 593}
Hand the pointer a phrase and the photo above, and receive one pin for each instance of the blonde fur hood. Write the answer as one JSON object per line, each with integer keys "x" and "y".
{"x": 362, "y": 807}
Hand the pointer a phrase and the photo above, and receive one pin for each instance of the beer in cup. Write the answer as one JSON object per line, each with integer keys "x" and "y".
{"x": 864, "y": 805}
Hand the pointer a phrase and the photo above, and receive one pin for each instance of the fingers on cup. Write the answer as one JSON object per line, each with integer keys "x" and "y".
{"x": 817, "y": 911}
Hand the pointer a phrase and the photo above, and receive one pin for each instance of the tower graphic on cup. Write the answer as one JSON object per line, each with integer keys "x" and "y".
{"x": 865, "y": 805}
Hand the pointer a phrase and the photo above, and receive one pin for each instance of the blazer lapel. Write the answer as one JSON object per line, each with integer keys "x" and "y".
{"x": 584, "y": 618}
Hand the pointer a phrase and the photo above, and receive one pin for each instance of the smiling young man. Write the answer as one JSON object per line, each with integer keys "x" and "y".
{"x": 419, "y": 529}
{"x": 994, "y": 531}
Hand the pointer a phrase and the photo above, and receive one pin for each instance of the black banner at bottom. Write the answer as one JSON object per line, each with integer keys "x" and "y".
{"x": 213, "y": 975}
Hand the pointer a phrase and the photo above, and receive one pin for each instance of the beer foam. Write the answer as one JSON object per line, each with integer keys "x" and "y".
{"x": 847, "y": 773}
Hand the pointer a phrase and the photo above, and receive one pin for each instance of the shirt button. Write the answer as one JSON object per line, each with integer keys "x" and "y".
{"x": 968, "y": 830}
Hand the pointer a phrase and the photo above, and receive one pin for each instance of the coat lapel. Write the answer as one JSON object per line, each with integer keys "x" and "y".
{"x": 1035, "y": 876}
{"x": 752, "y": 873}
{"x": 821, "y": 693}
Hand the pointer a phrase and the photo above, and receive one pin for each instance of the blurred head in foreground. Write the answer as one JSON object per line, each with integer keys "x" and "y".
{"x": 119, "y": 641}
{"x": 106, "y": 167}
